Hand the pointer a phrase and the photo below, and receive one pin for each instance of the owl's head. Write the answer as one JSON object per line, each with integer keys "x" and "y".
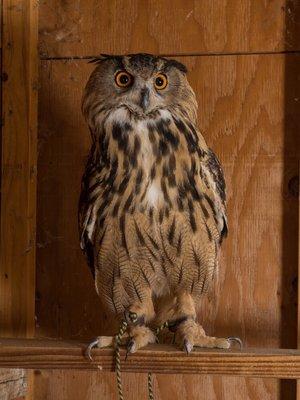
{"x": 141, "y": 83}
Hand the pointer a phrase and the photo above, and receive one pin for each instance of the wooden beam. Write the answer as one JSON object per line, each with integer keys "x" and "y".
{"x": 52, "y": 354}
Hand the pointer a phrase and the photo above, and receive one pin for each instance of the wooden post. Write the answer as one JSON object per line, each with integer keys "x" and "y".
{"x": 18, "y": 166}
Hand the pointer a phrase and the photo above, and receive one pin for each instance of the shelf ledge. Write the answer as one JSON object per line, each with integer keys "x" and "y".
{"x": 57, "y": 354}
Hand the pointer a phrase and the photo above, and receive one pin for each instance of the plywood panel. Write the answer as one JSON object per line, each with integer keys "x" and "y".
{"x": 242, "y": 115}
{"x": 57, "y": 385}
{"x": 89, "y": 27}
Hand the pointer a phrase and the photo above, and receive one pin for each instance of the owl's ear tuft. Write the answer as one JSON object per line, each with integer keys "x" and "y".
{"x": 104, "y": 57}
{"x": 98, "y": 59}
{"x": 176, "y": 64}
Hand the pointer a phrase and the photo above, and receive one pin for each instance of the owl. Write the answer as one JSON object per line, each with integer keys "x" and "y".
{"x": 152, "y": 212}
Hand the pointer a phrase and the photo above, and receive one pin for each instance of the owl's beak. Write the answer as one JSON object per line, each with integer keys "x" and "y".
{"x": 145, "y": 98}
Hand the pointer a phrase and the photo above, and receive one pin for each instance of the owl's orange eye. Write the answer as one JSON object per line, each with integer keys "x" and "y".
{"x": 123, "y": 79}
{"x": 160, "y": 82}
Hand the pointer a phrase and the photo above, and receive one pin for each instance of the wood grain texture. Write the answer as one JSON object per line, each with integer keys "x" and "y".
{"x": 18, "y": 179}
{"x": 19, "y": 70}
{"x": 242, "y": 115}
{"x": 89, "y": 27}
{"x": 92, "y": 385}
{"x": 160, "y": 359}
{"x": 292, "y": 107}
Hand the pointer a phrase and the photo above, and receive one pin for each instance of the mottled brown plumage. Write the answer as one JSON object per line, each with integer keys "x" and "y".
{"x": 152, "y": 209}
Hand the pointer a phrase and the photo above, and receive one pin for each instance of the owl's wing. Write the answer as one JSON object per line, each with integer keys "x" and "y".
{"x": 216, "y": 172}
{"x": 86, "y": 222}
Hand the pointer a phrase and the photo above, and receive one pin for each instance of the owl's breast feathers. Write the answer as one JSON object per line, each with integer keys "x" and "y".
{"x": 152, "y": 189}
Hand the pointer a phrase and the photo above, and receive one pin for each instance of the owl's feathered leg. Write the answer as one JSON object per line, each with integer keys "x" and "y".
{"x": 175, "y": 309}
{"x": 141, "y": 311}
{"x": 101, "y": 342}
{"x": 140, "y": 336}
{"x": 138, "y": 315}
{"x": 189, "y": 333}
{"x": 137, "y": 336}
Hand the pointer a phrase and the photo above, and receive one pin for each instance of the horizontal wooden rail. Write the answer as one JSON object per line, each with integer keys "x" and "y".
{"x": 53, "y": 354}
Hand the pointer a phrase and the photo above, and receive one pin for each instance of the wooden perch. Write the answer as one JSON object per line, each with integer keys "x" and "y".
{"x": 53, "y": 354}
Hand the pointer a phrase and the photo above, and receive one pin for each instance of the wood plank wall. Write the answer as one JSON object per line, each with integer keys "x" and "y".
{"x": 18, "y": 178}
{"x": 243, "y": 57}
{"x": 19, "y": 87}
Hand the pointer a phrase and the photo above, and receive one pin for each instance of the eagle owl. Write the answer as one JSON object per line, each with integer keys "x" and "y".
{"x": 152, "y": 210}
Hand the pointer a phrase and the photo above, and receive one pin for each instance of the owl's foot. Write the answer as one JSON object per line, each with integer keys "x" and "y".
{"x": 140, "y": 311}
{"x": 101, "y": 342}
{"x": 189, "y": 334}
{"x": 140, "y": 336}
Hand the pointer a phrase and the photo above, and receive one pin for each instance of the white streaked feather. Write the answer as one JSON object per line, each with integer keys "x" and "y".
{"x": 154, "y": 195}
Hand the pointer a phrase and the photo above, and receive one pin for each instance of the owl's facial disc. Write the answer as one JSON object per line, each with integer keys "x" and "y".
{"x": 142, "y": 83}
{"x": 141, "y": 93}
{"x": 160, "y": 83}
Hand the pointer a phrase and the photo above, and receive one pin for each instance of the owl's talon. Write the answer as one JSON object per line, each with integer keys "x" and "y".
{"x": 235, "y": 340}
{"x": 131, "y": 347}
{"x": 174, "y": 338}
{"x": 90, "y": 347}
{"x": 188, "y": 347}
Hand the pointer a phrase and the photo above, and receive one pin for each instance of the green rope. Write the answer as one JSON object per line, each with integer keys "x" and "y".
{"x": 118, "y": 338}
{"x": 150, "y": 382}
